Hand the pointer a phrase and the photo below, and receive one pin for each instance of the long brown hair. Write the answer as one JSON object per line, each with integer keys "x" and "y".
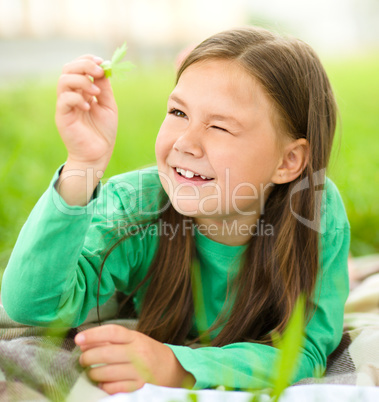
{"x": 274, "y": 269}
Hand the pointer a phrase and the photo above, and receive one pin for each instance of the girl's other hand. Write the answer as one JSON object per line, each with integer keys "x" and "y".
{"x": 86, "y": 112}
{"x": 122, "y": 360}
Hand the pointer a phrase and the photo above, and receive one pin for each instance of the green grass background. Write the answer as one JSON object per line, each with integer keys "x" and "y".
{"x": 31, "y": 148}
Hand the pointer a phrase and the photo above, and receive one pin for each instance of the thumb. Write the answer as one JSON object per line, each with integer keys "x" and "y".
{"x": 106, "y": 97}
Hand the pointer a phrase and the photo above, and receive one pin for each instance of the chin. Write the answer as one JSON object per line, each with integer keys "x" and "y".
{"x": 187, "y": 209}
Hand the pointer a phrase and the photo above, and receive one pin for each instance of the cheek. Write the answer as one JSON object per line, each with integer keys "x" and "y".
{"x": 162, "y": 145}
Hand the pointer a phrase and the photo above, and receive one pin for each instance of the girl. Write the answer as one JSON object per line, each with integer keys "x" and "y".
{"x": 237, "y": 218}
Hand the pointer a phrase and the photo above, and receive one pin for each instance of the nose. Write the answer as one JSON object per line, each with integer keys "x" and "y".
{"x": 190, "y": 143}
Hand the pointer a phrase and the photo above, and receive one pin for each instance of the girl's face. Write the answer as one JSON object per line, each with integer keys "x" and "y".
{"x": 217, "y": 149}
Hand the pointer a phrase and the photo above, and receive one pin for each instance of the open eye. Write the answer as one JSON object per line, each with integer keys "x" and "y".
{"x": 177, "y": 113}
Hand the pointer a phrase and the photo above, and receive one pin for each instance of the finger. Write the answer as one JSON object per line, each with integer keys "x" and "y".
{"x": 89, "y": 99}
{"x": 96, "y": 59}
{"x": 83, "y": 66}
{"x": 86, "y": 347}
{"x": 69, "y": 100}
{"x": 121, "y": 386}
{"x": 76, "y": 82}
{"x": 106, "y": 97}
{"x": 113, "y": 372}
{"x": 109, "y": 354}
{"x": 106, "y": 333}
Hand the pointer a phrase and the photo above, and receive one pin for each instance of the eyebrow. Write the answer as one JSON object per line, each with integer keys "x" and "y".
{"x": 219, "y": 117}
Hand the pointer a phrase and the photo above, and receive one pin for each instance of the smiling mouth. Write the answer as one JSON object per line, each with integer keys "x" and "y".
{"x": 188, "y": 174}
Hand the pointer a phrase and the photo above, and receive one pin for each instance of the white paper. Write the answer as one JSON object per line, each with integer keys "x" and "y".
{"x": 300, "y": 393}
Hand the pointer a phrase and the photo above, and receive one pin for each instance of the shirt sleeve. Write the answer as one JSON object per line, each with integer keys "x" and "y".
{"x": 250, "y": 365}
{"x": 52, "y": 275}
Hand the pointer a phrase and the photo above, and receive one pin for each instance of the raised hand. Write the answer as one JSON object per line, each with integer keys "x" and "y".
{"x": 86, "y": 118}
{"x": 86, "y": 112}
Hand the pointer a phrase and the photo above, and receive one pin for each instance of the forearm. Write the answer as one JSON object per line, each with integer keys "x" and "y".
{"x": 44, "y": 262}
{"x": 78, "y": 181}
{"x": 178, "y": 377}
{"x": 238, "y": 366}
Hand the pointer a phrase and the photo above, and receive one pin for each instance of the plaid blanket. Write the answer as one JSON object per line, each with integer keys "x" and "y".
{"x": 42, "y": 364}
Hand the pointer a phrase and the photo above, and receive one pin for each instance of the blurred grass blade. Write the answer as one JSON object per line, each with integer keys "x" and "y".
{"x": 289, "y": 345}
{"x": 198, "y": 303}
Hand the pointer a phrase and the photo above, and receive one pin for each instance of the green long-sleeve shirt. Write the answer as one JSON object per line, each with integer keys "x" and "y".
{"x": 52, "y": 275}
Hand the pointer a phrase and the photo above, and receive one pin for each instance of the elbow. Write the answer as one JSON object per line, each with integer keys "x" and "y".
{"x": 20, "y": 313}
{"x": 11, "y": 304}
{"x": 16, "y": 314}
{"x": 309, "y": 366}
{"x": 23, "y": 309}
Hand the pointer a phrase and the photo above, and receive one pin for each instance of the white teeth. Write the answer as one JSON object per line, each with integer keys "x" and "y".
{"x": 189, "y": 174}
{"x": 186, "y": 173}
